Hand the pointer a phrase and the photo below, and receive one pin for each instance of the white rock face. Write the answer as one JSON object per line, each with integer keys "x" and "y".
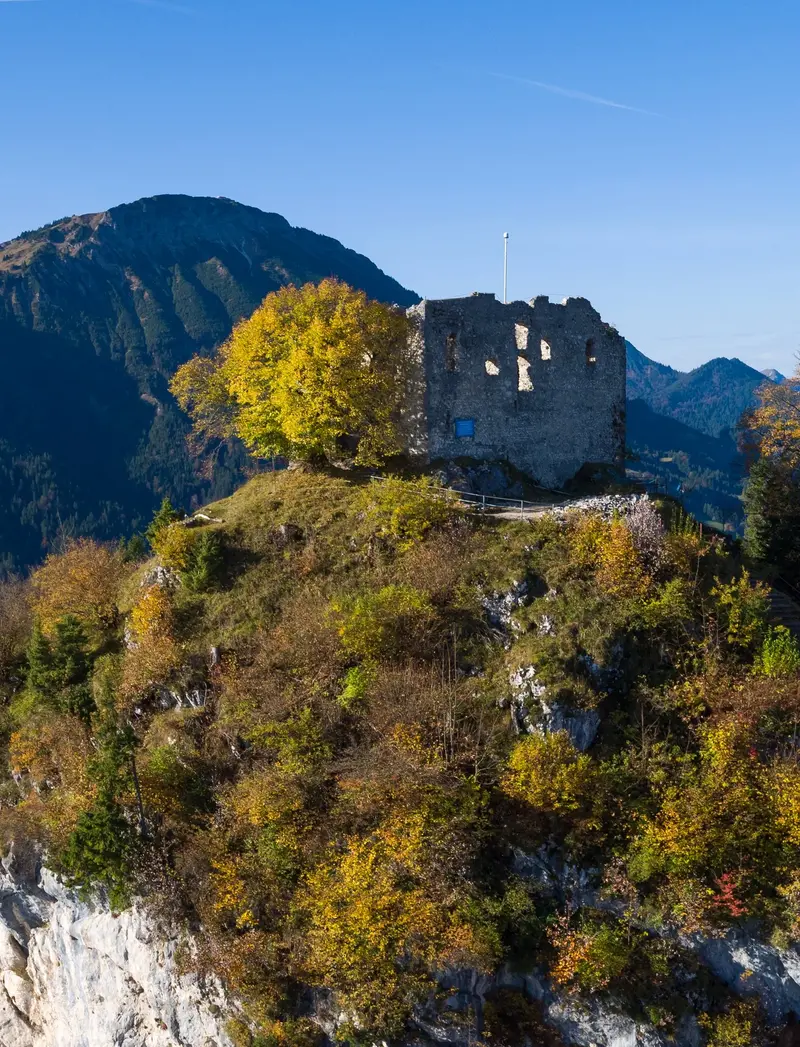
{"x": 753, "y": 968}
{"x": 533, "y": 713}
{"x": 76, "y": 975}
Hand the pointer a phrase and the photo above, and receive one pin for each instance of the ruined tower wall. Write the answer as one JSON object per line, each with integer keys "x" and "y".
{"x": 539, "y": 384}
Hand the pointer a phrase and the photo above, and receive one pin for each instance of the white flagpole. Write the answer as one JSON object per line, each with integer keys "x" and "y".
{"x": 505, "y": 268}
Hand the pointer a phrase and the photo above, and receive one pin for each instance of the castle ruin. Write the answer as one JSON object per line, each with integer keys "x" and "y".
{"x": 537, "y": 384}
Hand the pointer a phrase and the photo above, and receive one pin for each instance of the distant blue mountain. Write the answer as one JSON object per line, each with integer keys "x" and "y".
{"x": 711, "y": 398}
{"x": 682, "y": 429}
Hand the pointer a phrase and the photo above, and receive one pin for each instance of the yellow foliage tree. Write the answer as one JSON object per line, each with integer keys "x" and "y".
{"x": 375, "y": 928}
{"x": 312, "y": 368}
{"x": 154, "y": 654}
{"x": 173, "y": 545}
{"x": 620, "y": 571}
{"x": 82, "y": 581}
{"x": 548, "y": 773}
{"x": 774, "y": 423}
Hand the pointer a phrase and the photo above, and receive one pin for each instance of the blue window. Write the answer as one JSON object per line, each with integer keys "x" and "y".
{"x": 465, "y": 426}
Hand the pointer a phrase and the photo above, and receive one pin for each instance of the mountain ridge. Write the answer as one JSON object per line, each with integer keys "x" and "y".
{"x": 711, "y": 397}
{"x": 96, "y": 313}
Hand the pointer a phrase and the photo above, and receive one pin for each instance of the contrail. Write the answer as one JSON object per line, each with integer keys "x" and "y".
{"x": 165, "y": 5}
{"x": 579, "y": 96}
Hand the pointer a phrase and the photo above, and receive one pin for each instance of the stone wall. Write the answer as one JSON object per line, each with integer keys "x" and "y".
{"x": 538, "y": 384}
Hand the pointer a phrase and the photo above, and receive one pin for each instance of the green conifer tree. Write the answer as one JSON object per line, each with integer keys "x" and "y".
{"x": 41, "y": 678}
{"x": 205, "y": 567}
{"x": 72, "y": 667}
{"x": 772, "y": 522}
{"x": 166, "y": 515}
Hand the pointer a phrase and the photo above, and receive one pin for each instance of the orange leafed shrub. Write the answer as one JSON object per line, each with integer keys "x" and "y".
{"x": 83, "y": 581}
{"x": 52, "y": 750}
{"x": 154, "y": 654}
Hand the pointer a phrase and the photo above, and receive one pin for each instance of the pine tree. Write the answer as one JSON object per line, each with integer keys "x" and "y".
{"x": 166, "y": 515}
{"x": 41, "y": 677}
{"x": 59, "y": 669}
{"x": 100, "y": 849}
{"x": 205, "y": 567}
{"x": 72, "y": 667}
{"x": 772, "y": 522}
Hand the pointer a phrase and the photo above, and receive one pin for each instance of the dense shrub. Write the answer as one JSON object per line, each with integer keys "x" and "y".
{"x": 386, "y": 623}
{"x": 779, "y": 655}
{"x": 83, "y": 581}
{"x": 404, "y": 511}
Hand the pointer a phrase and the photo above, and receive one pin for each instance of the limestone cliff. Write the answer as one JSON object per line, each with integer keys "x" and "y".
{"x": 74, "y": 974}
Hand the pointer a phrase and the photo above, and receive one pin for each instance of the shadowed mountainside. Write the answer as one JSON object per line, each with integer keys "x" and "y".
{"x": 682, "y": 431}
{"x": 710, "y": 398}
{"x": 96, "y": 313}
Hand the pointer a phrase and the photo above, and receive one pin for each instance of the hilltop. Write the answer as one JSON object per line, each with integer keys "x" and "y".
{"x": 97, "y": 312}
{"x": 385, "y": 749}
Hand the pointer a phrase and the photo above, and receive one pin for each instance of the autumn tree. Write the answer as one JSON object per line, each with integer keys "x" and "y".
{"x": 316, "y": 372}
{"x": 772, "y": 494}
{"x": 774, "y": 423}
{"x": 82, "y": 581}
{"x": 153, "y": 653}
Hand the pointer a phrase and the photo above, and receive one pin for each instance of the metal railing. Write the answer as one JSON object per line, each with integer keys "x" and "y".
{"x": 487, "y": 503}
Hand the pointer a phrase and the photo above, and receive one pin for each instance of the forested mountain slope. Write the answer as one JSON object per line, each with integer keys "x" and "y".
{"x": 682, "y": 431}
{"x": 96, "y": 313}
{"x": 710, "y": 398}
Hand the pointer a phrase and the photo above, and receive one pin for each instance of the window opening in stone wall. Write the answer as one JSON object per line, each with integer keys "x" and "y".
{"x": 545, "y": 347}
{"x": 451, "y": 353}
{"x": 521, "y": 336}
{"x": 590, "y": 352}
{"x": 491, "y": 367}
{"x": 524, "y": 383}
{"x": 465, "y": 427}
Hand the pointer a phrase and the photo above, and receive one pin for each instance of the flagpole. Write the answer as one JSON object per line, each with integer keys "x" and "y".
{"x": 505, "y": 268}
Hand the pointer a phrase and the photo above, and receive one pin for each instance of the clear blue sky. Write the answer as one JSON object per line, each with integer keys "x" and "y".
{"x": 390, "y": 126}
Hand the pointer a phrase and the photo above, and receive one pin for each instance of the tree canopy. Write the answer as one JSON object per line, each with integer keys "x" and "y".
{"x": 772, "y": 494}
{"x": 774, "y": 423}
{"x": 316, "y": 372}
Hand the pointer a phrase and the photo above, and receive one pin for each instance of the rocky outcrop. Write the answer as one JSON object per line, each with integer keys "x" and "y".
{"x": 532, "y": 712}
{"x": 74, "y": 974}
{"x": 754, "y": 968}
{"x": 586, "y": 1022}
